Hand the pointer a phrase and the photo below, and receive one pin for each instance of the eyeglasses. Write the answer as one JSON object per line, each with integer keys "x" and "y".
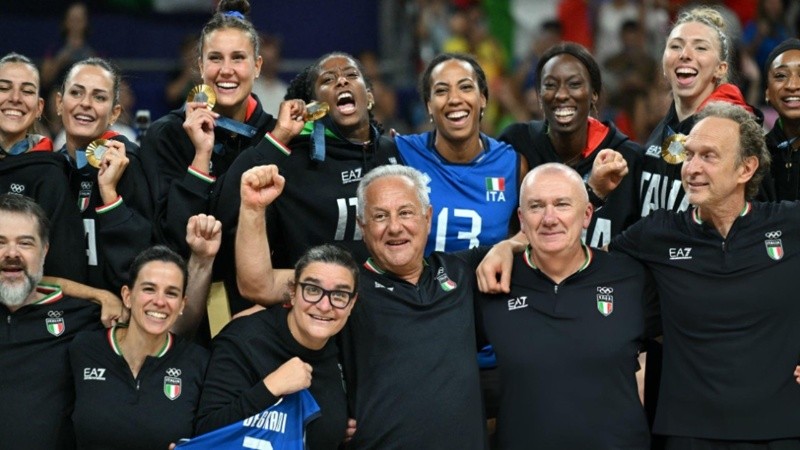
{"x": 313, "y": 294}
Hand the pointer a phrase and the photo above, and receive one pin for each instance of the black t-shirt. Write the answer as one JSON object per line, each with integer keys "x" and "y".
{"x": 250, "y": 348}
{"x": 730, "y": 317}
{"x": 409, "y": 354}
{"x": 567, "y": 354}
{"x": 115, "y": 410}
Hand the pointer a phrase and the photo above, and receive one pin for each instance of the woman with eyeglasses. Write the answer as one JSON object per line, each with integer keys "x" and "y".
{"x": 259, "y": 360}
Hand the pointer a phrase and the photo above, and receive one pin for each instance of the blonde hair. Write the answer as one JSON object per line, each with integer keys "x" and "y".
{"x": 711, "y": 18}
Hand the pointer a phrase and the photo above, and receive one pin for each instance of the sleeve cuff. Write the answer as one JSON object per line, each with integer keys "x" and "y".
{"x": 201, "y": 175}
{"x": 284, "y": 149}
{"x": 108, "y": 207}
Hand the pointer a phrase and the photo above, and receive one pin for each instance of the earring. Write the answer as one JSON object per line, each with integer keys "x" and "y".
{"x": 370, "y": 105}
{"x": 431, "y": 118}
{"x": 482, "y": 111}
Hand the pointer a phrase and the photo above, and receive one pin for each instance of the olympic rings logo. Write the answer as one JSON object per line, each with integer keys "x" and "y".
{"x": 604, "y": 290}
{"x": 773, "y": 234}
{"x": 173, "y": 372}
{"x": 54, "y": 314}
{"x": 17, "y": 188}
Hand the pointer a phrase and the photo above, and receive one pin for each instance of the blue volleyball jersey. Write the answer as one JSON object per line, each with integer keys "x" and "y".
{"x": 281, "y": 426}
{"x": 472, "y": 202}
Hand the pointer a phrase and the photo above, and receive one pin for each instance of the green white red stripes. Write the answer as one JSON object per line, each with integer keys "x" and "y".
{"x": 52, "y": 293}
{"x": 203, "y": 176}
{"x": 112, "y": 340}
{"x": 372, "y": 267}
{"x": 495, "y": 184}
{"x": 284, "y": 149}
{"x": 110, "y": 206}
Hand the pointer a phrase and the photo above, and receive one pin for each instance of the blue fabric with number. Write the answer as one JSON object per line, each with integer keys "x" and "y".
{"x": 279, "y": 427}
{"x": 472, "y": 202}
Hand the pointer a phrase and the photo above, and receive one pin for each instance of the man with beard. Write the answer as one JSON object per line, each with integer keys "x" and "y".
{"x": 37, "y": 322}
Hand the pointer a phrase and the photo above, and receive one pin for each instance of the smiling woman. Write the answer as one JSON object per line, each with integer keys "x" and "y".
{"x": 263, "y": 359}
{"x": 474, "y": 179}
{"x": 570, "y": 84}
{"x": 185, "y": 152}
{"x": 30, "y": 167}
{"x": 20, "y": 104}
{"x": 783, "y": 93}
{"x": 695, "y": 64}
{"x": 107, "y": 176}
{"x": 154, "y": 376}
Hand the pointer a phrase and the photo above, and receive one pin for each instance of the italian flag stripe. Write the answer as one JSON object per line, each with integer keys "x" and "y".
{"x": 166, "y": 347}
{"x": 284, "y": 149}
{"x": 203, "y": 176}
{"x": 495, "y": 184}
{"x": 52, "y": 293}
{"x": 371, "y": 266}
{"x": 110, "y": 206}
{"x": 112, "y": 340}
{"x": 529, "y": 258}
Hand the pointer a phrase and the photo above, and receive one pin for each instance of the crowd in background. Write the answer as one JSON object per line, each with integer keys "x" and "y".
{"x": 626, "y": 37}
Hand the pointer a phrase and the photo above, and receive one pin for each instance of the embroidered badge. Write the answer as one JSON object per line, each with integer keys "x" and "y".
{"x": 444, "y": 281}
{"x": 55, "y": 323}
{"x": 84, "y": 195}
{"x": 605, "y": 300}
{"x": 774, "y": 245}
{"x": 172, "y": 383}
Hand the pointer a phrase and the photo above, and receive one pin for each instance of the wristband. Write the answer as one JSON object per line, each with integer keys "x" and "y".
{"x": 594, "y": 199}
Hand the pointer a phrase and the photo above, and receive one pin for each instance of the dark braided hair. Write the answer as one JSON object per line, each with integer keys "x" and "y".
{"x": 302, "y": 85}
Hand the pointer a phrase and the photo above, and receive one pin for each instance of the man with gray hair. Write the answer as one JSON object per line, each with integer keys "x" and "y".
{"x": 723, "y": 271}
{"x": 409, "y": 344}
{"x": 569, "y": 332}
{"x": 37, "y": 323}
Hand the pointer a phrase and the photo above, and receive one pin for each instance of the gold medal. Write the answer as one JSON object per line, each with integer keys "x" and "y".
{"x": 95, "y": 152}
{"x": 203, "y": 93}
{"x": 315, "y": 111}
{"x": 673, "y": 149}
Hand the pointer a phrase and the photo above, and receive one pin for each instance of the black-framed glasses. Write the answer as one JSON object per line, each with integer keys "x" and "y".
{"x": 313, "y": 294}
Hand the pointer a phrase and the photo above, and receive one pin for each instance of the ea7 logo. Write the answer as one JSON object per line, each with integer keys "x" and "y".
{"x": 92, "y": 373}
{"x": 680, "y": 253}
{"x": 518, "y": 303}
{"x": 351, "y": 176}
